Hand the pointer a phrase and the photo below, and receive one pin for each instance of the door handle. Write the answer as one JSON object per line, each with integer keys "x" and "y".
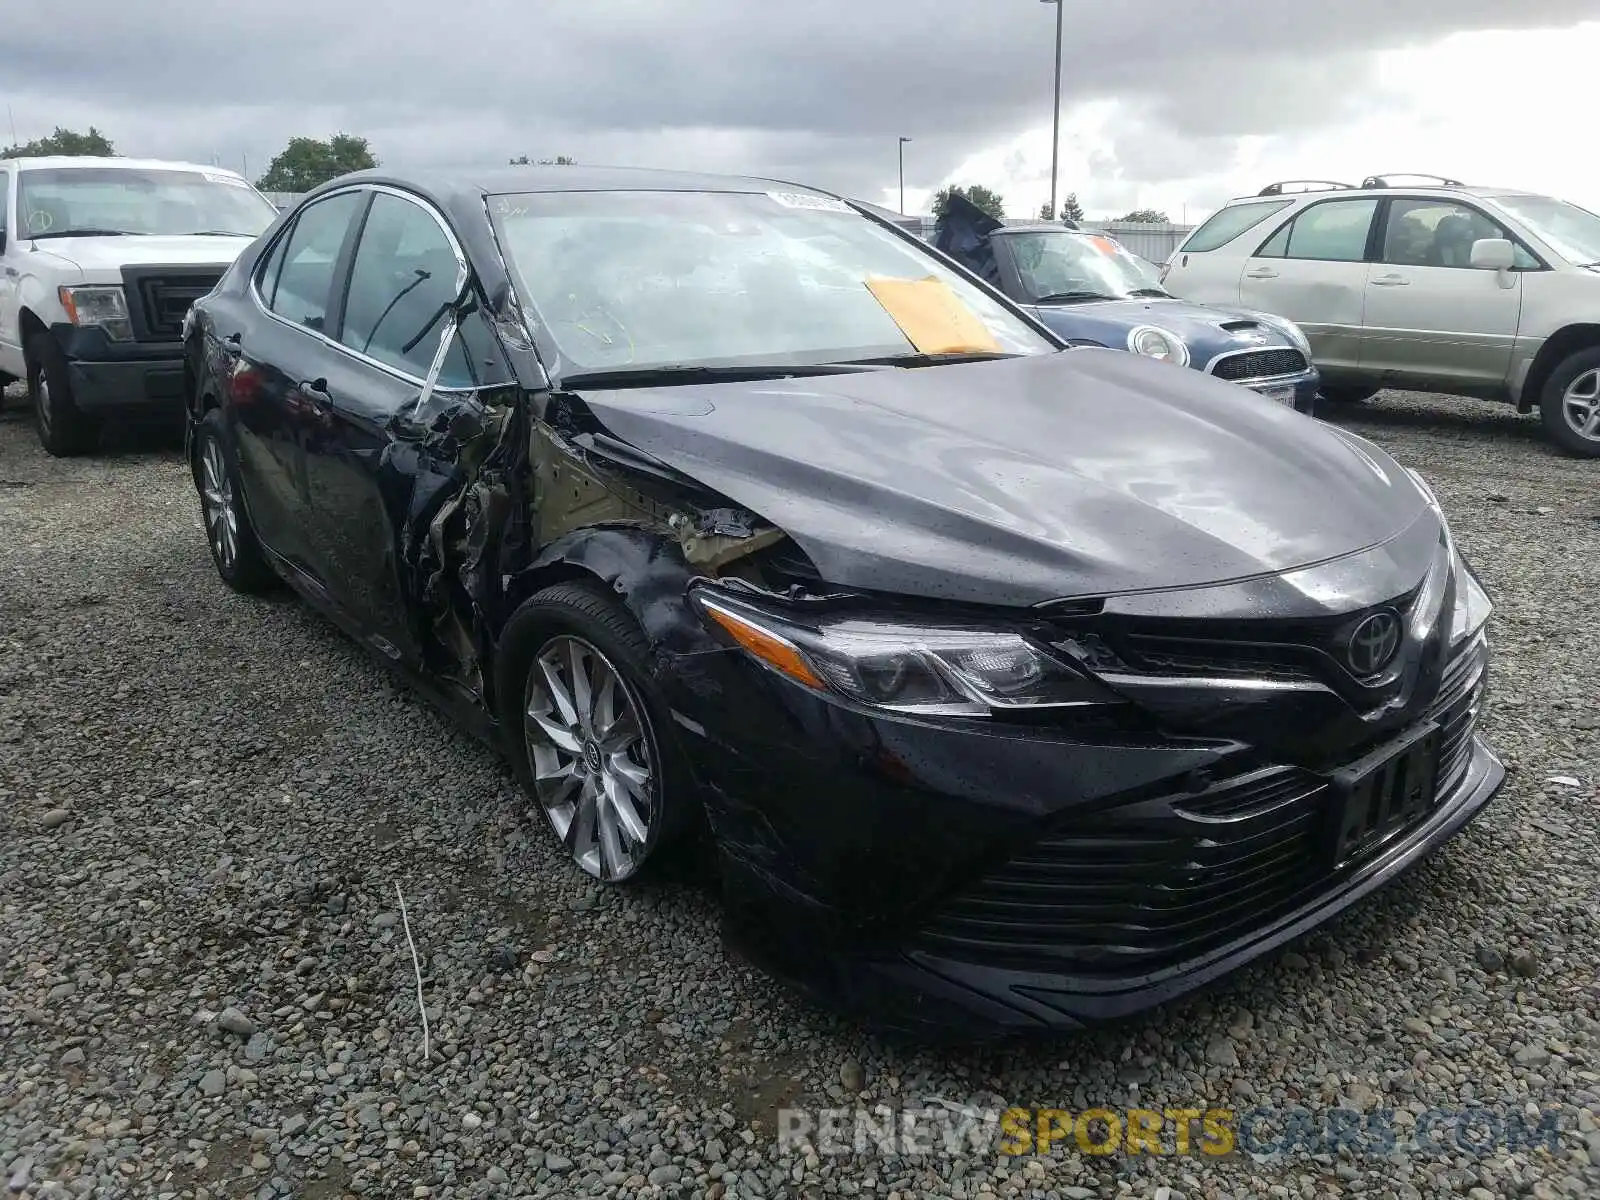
{"x": 1263, "y": 273}
{"x": 1391, "y": 281}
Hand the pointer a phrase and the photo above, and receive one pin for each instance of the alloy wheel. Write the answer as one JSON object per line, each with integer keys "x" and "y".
{"x": 216, "y": 498}
{"x": 1581, "y": 405}
{"x": 590, "y": 750}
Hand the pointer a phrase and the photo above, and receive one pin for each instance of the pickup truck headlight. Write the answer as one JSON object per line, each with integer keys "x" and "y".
{"x": 1152, "y": 342}
{"x": 101, "y": 305}
{"x": 901, "y": 666}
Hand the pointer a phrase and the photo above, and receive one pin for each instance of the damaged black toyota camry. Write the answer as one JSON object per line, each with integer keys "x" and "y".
{"x": 1015, "y": 686}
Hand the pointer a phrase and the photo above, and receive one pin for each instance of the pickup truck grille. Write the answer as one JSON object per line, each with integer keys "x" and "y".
{"x": 1248, "y": 365}
{"x": 158, "y": 298}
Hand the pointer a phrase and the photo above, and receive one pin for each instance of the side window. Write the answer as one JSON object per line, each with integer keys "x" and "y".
{"x": 1439, "y": 233}
{"x": 1333, "y": 231}
{"x": 301, "y": 273}
{"x": 401, "y": 286}
{"x": 1223, "y": 226}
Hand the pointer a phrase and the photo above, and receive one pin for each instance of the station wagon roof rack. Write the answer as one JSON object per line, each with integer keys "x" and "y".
{"x": 1288, "y": 186}
{"x": 1382, "y": 181}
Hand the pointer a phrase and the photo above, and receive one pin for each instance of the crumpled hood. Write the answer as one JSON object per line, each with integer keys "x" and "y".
{"x": 108, "y": 255}
{"x": 1208, "y": 330}
{"x": 1025, "y": 480}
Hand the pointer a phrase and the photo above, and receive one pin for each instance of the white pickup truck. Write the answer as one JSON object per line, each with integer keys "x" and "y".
{"x": 100, "y": 259}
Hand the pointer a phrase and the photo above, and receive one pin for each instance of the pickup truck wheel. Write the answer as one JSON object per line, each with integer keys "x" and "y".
{"x": 1570, "y": 406}
{"x": 63, "y": 429}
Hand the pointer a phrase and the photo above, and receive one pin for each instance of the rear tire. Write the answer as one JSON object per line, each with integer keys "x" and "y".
{"x": 1348, "y": 393}
{"x": 235, "y": 550}
{"x": 589, "y": 734}
{"x": 64, "y": 430}
{"x": 1569, "y": 407}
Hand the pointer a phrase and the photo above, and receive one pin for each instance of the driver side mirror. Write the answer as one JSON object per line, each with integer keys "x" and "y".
{"x": 1493, "y": 254}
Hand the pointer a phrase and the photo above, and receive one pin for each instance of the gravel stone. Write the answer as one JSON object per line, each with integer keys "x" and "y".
{"x": 231, "y": 1020}
{"x": 54, "y": 818}
{"x": 246, "y": 787}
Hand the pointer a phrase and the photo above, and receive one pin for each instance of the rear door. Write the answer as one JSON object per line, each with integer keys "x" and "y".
{"x": 274, "y": 350}
{"x": 1313, "y": 270}
{"x": 1431, "y": 318}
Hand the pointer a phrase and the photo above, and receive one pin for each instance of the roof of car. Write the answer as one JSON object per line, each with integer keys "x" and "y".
{"x": 502, "y": 181}
{"x": 1452, "y": 189}
{"x": 58, "y": 161}
{"x": 1034, "y": 227}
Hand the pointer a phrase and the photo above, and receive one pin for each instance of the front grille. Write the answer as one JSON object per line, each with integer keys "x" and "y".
{"x": 158, "y": 298}
{"x": 1248, "y": 365}
{"x": 1155, "y": 881}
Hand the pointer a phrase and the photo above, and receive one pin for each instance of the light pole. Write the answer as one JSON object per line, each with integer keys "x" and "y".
{"x": 1055, "y": 126}
{"x": 903, "y": 142}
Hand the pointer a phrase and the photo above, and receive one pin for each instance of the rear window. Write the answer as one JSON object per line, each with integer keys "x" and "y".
{"x": 1229, "y": 223}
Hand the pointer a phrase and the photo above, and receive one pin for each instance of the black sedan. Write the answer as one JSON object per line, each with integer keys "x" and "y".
{"x": 1014, "y": 686}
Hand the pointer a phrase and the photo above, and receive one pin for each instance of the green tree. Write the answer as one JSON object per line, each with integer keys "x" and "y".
{"x": 306, "y": 163}
{"x": 1147, "y": 216}
{"x": 63, "y": 141}
{"x": 1071, "y": 210}
{"x": 560, "y": 160}
{"x": 991, "y": 202}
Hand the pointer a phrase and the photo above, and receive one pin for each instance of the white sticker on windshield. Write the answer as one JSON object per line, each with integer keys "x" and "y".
{"x": 216, "y": 177}
{"x": 815, "y": 203}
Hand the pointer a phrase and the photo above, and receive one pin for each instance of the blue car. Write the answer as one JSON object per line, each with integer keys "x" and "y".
{"x": 1088, "y": 289}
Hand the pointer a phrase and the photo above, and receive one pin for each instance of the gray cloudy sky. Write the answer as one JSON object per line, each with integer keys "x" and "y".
{"x": 816, "y": 90}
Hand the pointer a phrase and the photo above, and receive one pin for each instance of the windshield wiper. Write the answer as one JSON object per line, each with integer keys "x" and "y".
{"x": 625, "y": 377}
{"x": 932, "y": 360}
{"x": 55, "y": 233}
{"x": 215, "y": 233}
{"x": 1160, "y": 292}
{"x": 1063, "y": 297}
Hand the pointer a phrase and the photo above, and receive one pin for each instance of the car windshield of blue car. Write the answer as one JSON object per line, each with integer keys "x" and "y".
{"x": 635, "y": 280}
{"x": 1572, "y": 232}
{"x": 101, "y": 201}
{"x": 1061, "y": 267}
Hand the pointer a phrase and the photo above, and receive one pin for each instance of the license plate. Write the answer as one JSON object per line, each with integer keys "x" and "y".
{"x": 1385, "y": 793}
{"x": 1283, "y": 395}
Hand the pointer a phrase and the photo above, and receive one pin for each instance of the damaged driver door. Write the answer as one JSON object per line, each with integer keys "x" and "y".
{"x": 374, "y": 467}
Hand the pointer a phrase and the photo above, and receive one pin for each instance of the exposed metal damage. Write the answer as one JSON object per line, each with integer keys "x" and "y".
{"x": 508, "y": 488}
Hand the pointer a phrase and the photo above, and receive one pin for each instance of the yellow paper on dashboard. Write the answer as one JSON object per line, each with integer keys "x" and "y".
{"x": 932, "y": 316}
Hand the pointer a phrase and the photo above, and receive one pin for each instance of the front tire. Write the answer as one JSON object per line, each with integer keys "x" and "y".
{"x": 64, "y": 430}
{"x": 1570, "y": 404}
{"x": 588, "y": 733}
{"x": 235, "y": 550}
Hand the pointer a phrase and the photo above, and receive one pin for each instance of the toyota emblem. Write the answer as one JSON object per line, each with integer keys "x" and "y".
{"x": 1373, "y": 644}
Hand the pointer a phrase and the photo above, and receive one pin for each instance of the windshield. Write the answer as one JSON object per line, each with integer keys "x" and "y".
{"x": 1077, "y": 266}
{"x": 61, "y": 202}
{"x": 644, "y": 279}
{"x": 1570, "y": 231}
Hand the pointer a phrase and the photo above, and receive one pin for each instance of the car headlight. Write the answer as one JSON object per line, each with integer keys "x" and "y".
{"x": 1159, "y": 343}
{"x": 904, "y": 667}
{"x": 98, "y": 304}
{"x": 1472, "y": 607}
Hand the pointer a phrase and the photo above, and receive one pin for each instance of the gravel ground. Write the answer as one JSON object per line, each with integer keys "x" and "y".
{"x": 206, "y": 989}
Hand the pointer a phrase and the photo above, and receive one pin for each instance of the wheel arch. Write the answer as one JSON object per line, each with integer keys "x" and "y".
{"x": 1565, "y": 341}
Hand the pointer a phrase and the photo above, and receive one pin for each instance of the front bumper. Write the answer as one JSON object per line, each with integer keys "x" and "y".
{"x": 135, "y": 378}
{"x": 1296, "y": 391}
{"x": 919, "y": 874}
